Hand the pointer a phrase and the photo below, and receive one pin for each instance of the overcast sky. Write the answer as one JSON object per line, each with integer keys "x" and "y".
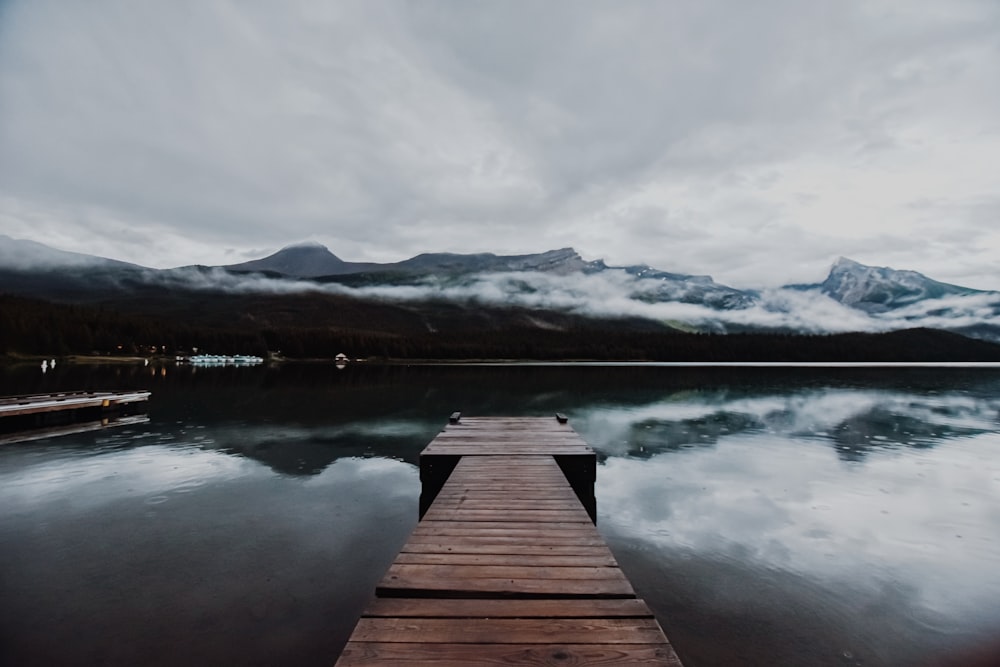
{"x": 753, "y": 141}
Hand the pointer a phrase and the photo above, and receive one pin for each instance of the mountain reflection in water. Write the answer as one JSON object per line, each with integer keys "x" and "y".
{"x": 854, "y": 422}
{"x": 769, "y": 516}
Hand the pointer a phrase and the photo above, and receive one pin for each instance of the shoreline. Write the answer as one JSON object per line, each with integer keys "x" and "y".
{"x": 82, "y": 360}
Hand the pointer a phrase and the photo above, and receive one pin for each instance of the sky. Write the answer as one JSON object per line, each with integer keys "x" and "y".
{"x": 754, "y": 142}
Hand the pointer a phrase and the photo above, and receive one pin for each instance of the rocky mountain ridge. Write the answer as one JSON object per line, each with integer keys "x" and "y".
{"x": 557, "y": 281}
{"x": 877, "y": 288}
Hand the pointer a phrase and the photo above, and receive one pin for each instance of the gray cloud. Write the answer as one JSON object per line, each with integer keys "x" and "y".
{"x": 707, "y": 137}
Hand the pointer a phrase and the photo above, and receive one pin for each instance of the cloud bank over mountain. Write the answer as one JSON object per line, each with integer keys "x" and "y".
{"x": 852, "y": 298}
{"x": 616, "y": 294}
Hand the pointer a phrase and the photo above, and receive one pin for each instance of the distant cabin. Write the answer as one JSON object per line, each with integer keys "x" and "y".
{"x": 341, "y": 358}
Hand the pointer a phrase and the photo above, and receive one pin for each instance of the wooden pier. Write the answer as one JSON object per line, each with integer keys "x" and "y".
{"x": 42, "y": 410}
{"x": 506, "y": 566}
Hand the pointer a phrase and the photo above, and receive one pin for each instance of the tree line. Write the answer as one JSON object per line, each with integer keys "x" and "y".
{"x": 36, "y": 327}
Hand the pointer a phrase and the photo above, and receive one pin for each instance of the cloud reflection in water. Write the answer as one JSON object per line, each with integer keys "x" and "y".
{"x": 886, "y": 503}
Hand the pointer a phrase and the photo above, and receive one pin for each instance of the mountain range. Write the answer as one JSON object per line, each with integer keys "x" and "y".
{"x": 549, "y": 290}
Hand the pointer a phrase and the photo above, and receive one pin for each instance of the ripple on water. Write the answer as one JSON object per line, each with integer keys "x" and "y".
{"x": 156, "y": 500}
{"x": 188, "y": 485}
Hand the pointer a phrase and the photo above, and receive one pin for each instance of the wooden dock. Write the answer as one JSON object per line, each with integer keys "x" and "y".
{"x": 506, "y": 566}
{"x": 43, "y": 410}
{"x": 11, "y": 406}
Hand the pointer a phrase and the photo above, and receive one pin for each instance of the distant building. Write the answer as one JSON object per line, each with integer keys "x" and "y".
{"x": 341, "y": 358}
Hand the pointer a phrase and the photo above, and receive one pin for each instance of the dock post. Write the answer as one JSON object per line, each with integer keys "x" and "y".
{"x": 434, "y": 472}
{"x": 581, "y": 473}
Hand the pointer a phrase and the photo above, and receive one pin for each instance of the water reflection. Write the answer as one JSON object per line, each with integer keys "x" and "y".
{"x": 770, "y": 516}
{"x": 168, "y": 556}
{"x": 871, "y": 515}
{"x": 298, "y": 450}
{"x": 74, "y": 428}
{"x": 853, "y": 422}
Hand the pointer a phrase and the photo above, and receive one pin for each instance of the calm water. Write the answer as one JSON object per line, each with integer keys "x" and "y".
{"x": 769, "y": 516}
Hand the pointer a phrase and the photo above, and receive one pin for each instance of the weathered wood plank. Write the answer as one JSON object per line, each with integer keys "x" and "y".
{"x": 465, "y": 486}
{"x": 501, "y": 529}
{"x": 507, "y": 516}
{"x": 550, "y": 479}
{"x": 509, "y": 427}
{"x": 485, "y": 479}
{"x": 496, "y": 500}
{"x": 518, "y": 422}
{"x": 486, "y": 465}
{"x": 17, "y": 406}
{"x": 490, "y": 435}
{"x": 572, "y": 608}
{"x": 463, "y": 540}
{"x": 417, "y": 586}
{"x": 512, "y": 449}
{"x": 366, "y": 654}
{"x": 535, "y": 560}
{"x": 489, "y": 546}
{"x": 504, "y": 630}
{"x": 524, "y": 483}
{"x": 490, "y": 439}
{"x": 515, "y": 515}
{"x": 400, "y": 573}
{"x": 553, "y": 522}
{"x": 504, "y": 470}
{"x": 487, "y": 441}
{"x": 495, "y": 507}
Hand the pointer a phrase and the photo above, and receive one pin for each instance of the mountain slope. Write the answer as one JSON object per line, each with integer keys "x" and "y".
{"x": 561, "y": 262}
{"x": 302, "y": 260}
{"x": 313, "y": 260}
{"x": 877, "y": 288}
{"x": 19, "y": 254}
{"x": 455, "y": 290}
{"x": 310, "y": 260}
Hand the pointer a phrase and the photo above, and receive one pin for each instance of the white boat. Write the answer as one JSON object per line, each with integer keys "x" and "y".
{"x": 224, "y": 360}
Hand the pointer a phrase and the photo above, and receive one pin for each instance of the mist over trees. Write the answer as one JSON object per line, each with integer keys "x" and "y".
{"x": 36, "y": 327}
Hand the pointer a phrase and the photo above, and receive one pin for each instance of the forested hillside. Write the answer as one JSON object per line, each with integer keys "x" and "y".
{"x": 34, "y": 327}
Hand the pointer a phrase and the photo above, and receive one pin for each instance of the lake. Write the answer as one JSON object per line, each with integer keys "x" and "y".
{"x": 769, "y": 516}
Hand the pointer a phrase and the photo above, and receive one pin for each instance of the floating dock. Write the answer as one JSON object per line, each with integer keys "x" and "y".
{"x": 506, "y": 566}
{"x": 40, "y": 410}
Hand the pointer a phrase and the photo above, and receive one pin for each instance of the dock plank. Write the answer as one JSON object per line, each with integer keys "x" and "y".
{"x": 526, "y": 516}
{"x": 495, "y": 630}
{"x": 509, "y": 548}
{"x": 416, "y": 586}
{"x": 549, "y": 539}
{"x": 16, "y": 406}
{"x": 513, "y": 529}
{"x": 499, "y": 501}
{"x": 533, "y": 560}
{"x": 455, "y": 608}
{"x": 407, "y": 572}
{"x": 368, "y": 654}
